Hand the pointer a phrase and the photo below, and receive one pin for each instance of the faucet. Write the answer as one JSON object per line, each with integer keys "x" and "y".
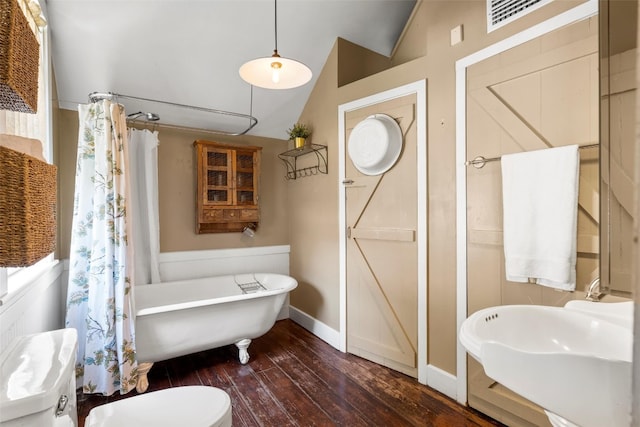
{"x": 593, "y": 291}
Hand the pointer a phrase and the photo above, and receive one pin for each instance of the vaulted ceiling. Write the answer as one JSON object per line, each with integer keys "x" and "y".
{"x": 189, "y": 52}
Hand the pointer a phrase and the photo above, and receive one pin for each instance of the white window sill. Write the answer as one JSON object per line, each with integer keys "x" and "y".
{"x": 42, "y": 273}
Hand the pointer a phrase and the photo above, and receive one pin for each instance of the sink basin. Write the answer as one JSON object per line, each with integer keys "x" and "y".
{"x": 573, "y": 361}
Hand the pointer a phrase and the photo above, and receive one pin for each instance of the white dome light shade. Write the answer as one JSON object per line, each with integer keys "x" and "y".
{"x": 275, "y": 72}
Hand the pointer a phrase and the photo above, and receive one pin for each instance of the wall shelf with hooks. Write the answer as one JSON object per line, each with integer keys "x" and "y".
{"x": 294, "y": 171}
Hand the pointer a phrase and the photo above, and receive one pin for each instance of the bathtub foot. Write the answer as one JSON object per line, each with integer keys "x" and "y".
{"x": 143, "y": 381}
{"x": 243, "y": 354}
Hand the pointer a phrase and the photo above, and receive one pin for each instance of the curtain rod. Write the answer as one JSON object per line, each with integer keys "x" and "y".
{"x": 480, "y": 161}
{"x": 97, "y": 96}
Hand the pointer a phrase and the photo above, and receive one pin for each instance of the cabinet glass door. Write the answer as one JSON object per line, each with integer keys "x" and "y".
{"x": 219, "y": 177}
{"x": 245, "y": 177}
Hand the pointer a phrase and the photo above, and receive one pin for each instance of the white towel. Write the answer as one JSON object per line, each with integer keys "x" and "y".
{"x": 540, "y": 200}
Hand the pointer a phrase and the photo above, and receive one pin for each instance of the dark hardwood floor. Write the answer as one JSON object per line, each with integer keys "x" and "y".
{"x": 296, "y": 379}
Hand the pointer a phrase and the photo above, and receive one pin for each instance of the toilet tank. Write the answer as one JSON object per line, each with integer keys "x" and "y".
{"x": 37, "y": 380}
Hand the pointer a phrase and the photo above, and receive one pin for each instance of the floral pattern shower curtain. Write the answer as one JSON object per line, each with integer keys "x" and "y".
{"x": 100, "y": 299}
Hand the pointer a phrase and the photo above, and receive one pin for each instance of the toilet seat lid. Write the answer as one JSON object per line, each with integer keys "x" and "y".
{"x": 34, "y": 371}
{"x": 197, "y": 406}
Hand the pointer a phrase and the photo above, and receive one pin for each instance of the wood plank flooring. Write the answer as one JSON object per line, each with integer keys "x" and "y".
{"x": 296, "y": 379}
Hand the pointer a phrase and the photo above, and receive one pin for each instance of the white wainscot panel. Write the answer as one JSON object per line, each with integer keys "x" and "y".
{"x": 219, "y": 262}
{"x": 38, "y": 305}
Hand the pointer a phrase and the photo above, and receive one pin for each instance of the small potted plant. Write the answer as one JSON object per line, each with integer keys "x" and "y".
{"x": 299, "y": 132}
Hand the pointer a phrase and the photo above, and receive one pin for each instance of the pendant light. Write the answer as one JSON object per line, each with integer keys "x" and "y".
{"x": 275, "y": 72}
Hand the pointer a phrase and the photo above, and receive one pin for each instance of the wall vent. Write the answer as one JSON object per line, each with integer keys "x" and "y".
{"x": 501, "y": 12}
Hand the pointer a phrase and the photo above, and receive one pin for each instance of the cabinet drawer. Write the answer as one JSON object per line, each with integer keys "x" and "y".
{"x": 249, "y": 214}
{"x": 240, "y": 214}
{"x": 231, "y": 214}
{"x": 212, "y": 215}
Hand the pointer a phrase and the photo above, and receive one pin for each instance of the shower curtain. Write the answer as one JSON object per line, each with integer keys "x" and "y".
{"x": 99, "y": 299}
{"x": 143, "y": 157}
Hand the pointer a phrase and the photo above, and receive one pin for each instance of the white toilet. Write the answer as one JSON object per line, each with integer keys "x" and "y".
{"x": 38, "y": 388}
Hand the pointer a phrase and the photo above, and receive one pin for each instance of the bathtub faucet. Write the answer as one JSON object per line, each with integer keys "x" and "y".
{"x": 594, "y": 292}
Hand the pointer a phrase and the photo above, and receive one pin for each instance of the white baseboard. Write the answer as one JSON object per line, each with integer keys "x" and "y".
{"x": 316, "y": 327}
{"x": 442, "y": 381}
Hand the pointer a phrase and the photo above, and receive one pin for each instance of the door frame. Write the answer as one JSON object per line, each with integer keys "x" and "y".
{"x": 419, "y": 88}
{"x": 578, "y": 13}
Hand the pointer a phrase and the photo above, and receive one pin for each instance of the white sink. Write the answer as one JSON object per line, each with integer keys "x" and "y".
{"x": 573, "y": 361}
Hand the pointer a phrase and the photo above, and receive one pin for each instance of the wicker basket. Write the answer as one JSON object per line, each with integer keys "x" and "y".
{"x": 19, "y": 57}
{"x": 27, "y": 209}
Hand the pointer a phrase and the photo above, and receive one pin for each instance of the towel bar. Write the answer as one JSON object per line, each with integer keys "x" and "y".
{"x": 480, "y": 161}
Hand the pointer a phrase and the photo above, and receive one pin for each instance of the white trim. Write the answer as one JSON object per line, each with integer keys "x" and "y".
{"x": 35, "y": 278}
{"x": 578, "y": 13}
{"x": 316, "y": 327}
{"x": 420, "y": 89}
{"x": 442, "y": 381}
{"x": 35, "y": 307}
{"x": 222, "y": 253}
{"x": 461, "y": 228}
{"x": 4, "y": 283}
{"x": 48, "y": 87}
{"x": 342, "y": 231}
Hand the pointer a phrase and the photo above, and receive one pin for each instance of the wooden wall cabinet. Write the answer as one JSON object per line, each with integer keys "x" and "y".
{"x": 228, "y": 186}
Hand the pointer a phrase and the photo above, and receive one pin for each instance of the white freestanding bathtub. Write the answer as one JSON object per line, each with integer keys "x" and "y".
{"x": 187, "y": 316}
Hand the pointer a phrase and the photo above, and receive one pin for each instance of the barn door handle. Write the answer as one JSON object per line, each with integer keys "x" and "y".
{"x": 347, "y": 182}
{"x": 348, "y": 232}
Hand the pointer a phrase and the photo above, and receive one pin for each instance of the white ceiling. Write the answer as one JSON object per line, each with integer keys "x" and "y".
{"x": 188, "y": 52}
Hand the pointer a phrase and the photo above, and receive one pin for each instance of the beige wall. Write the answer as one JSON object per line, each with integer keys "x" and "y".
{"x": 65, "y": 147}
{"x": 177, "y": 190}
{"x": 313, "y": 208}
{"x": 355, "y": 62}
{"x": 313, "y": 202}
{"x": 304, "y": 212}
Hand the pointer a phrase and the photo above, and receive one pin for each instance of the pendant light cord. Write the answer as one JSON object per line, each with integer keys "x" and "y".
{"x": 251, "y": 101}
{"x": 275, "y": 25}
